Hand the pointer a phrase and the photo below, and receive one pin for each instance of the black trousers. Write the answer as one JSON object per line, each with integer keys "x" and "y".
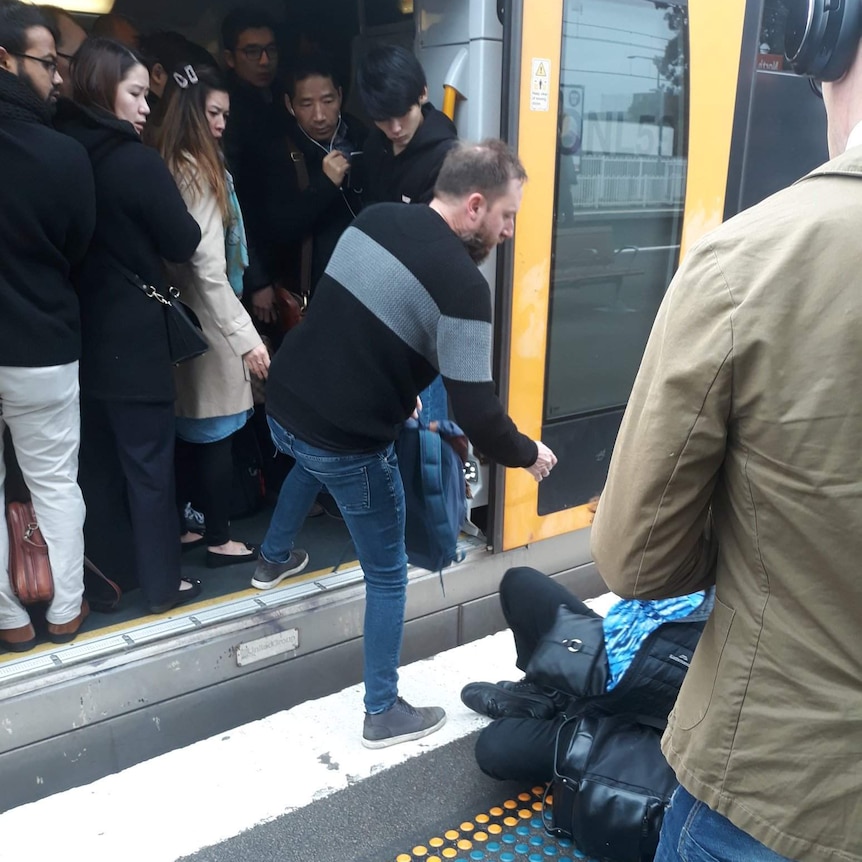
{"x": 127, "y": 478}
{"x": 204, "y": 476}
{"x": 522, "y": 749}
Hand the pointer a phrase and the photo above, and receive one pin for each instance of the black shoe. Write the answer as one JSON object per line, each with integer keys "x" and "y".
{"x": 268, "y": 575}
{"x": 401, "y": 723}
{"x": 181, "y": 597}
{"x": 218, "y": 561}
{"x": 508, "y": 700}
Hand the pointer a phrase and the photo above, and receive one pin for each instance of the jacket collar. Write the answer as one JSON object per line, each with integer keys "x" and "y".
{"x": 849, "y": 163}
{"x": 19, "y": 102}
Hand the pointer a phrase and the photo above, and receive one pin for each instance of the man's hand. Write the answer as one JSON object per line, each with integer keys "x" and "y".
{"x": 257, "y": 361}
{"x": 336, "y": 166}
{"x": 544, "y": 463}
{"x": 263, "y": 305}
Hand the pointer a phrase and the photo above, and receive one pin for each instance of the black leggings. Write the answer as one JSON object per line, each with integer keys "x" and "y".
{"x": 204, "y": 477}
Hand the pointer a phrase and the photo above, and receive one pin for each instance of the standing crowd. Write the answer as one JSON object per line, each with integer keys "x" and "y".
{"x": 136, "y": 171}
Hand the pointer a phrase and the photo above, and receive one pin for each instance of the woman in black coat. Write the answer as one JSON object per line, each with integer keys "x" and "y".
{"x": 127, "y": 390}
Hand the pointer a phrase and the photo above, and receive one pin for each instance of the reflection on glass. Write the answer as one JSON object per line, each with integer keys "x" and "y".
{"x": 620, "y": 187}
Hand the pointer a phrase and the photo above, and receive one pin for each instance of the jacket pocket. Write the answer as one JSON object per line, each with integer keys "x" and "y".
{"x": 699, "y": 685}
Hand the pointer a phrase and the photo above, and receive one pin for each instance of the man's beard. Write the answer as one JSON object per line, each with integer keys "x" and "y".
{"x": 477, "y": 247}
{"x": 51, "y": 101}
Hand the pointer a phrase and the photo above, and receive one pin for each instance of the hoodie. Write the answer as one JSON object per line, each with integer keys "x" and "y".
{"x": 409, "y": 177}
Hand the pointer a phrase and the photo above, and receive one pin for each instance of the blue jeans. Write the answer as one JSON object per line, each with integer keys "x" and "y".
{"x": 693, "y": 832}
{"x": 435, "y": 401}
{"x": 370, "y": 495}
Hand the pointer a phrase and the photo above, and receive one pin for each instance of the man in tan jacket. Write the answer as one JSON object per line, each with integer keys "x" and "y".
{"x": 739, "y": 464}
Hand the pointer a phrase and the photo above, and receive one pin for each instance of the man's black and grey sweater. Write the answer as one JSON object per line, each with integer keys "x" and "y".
{"x": 400, "y": 301}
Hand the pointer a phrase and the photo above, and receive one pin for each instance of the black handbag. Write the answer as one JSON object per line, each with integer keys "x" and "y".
{"x": 185, "y": 336}
{"x": 571, "y": 655}
{"x": 611, "y": 787}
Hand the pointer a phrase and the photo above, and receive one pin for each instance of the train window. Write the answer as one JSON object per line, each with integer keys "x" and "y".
{"x": 621, "y": 168}
{"x": 770, "y": 57}
{"x": 620, "y": 185}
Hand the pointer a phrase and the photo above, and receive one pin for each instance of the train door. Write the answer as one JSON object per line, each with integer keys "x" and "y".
{"x": 622, "y": 111}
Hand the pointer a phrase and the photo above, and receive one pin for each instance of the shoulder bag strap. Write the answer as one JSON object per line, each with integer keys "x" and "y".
{"x": 303, "y": 181}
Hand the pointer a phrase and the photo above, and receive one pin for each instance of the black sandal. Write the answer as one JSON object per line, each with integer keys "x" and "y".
{"x": 218, "y": 561}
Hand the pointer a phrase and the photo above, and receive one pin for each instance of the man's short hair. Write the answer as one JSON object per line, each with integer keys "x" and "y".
{"x": 486, "y": 168}
{"x": 391, "y": 80}
{"x": 172, "y": 51}
{"x": 16, "y": 19}
{"x": 237, "y": 21}
{"x": 316, "y": 64}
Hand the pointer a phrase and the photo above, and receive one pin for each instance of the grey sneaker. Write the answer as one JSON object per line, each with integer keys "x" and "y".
{"x": 268, "y": 575}
{"x": 401, "y": 723}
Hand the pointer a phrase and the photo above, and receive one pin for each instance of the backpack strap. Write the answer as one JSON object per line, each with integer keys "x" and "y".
{"x": 303, "y": 182}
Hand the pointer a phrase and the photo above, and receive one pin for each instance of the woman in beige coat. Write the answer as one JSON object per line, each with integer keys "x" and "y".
{"x": 214, "y": 398}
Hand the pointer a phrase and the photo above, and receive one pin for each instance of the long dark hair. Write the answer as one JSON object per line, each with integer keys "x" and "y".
{"x": 185, "y": 137}
{"x": 97, "y": 70}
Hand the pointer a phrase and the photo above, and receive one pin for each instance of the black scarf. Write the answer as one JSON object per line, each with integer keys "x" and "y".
{"x": 19, "y": 102}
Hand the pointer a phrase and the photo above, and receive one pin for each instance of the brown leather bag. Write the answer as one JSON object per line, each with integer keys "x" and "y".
{"x": 291, "y": 307}
{"x": 29, "y": 567}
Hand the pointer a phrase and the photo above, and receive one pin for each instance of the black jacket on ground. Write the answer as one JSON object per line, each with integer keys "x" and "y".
{"x": 258, "y": 121}
{"x": 140, "y": 219}
{"x": 409, "y": 177}
{"x": 47, "y": 215}
{"x": 323, "y": 209}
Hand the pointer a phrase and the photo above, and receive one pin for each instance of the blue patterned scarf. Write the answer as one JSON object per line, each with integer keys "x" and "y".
{"x": 235, "y": 246}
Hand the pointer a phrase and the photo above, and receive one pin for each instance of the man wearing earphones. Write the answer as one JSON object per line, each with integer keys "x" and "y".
{"x": 314, "y": 183}
{"x": 738, "y": 465}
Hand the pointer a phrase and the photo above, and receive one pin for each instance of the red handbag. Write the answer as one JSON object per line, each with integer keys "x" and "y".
{"x": 29, "y": 567}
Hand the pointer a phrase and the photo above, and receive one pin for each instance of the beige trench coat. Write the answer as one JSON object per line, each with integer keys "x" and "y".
{"x": 217, "y": 383}
{"x": 748, "y": 406}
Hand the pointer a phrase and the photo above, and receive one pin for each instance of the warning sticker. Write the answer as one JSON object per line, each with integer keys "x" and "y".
{"x": 540, "y": 84}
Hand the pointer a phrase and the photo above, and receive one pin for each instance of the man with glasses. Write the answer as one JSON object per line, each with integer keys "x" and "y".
{"x": 47, "y": 216}
{"x": 70, "y": 36}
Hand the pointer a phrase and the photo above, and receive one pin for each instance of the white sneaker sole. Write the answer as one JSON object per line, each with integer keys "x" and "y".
{"x": 405, "y": 737}
{"x": 268, "y": 585}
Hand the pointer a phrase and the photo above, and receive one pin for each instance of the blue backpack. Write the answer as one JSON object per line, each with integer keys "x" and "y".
{"x": 435, "y": 492}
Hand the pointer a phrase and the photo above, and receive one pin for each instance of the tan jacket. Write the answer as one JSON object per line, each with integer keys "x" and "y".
{"x": 217, "y": 383}
{"x": 748, "y": 404}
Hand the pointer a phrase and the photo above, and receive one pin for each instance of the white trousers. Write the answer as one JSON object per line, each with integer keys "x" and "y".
{"x": 42, "y": 408}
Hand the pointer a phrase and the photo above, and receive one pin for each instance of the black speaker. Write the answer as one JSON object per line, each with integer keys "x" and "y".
{"x": 821, "y": 36}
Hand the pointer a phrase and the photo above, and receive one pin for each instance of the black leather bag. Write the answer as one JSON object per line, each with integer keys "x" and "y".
{"x": 185, "y": 336}
{"x": 571, "y": 656}
{"x": 611, "y": 787}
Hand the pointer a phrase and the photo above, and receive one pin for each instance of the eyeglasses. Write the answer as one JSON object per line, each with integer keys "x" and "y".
{"x": 255, "y": 52}
{"x": 49, "y": 65}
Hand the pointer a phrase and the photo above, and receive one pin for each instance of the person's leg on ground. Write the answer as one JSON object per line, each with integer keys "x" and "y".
{"x": 42, "y": 408}
{"x": 693, "y": 832}
{"x": 145, "y": 442}
{"x": 518, "y": 749}
{"x": 530, "y": 601}
{"x": 370, "y": 495}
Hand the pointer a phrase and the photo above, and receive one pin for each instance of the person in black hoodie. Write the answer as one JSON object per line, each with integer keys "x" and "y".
{"x": 403, "y": 155}
{"x": 127, "y": 386}
{"x": 47, "y": 217}
{"x": 313, "y": 190}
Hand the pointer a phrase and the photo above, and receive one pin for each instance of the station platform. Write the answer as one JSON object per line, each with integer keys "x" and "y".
{"x": 299, "y": 785}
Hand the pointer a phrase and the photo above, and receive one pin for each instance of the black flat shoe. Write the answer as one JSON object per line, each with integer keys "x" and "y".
{"x": 218, "y": 561}
{"x": 181, "y": 597}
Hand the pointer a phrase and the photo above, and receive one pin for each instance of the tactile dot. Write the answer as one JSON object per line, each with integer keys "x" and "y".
{"x": 510, "y": 804}
{"x": 496, "y": 811}
{"x": 467, "y": 827}
{"x": 524, "y": 797}
{"x": 537, "y": 806}
{"x": 510, "y": 821}
{"x": 449, "y": 853}
{"x": 436, "y": 842}
{"x": 464, "y": 844}
{"x": 420, "y": 851}
{"x": 495, "y": 828}
{"x": 480, "y": 836}
{"x": 403, "y": 857}
{"x": 481, "y": 818}
{"x": 451, "y": 835}
{"x": 525, "y": 814}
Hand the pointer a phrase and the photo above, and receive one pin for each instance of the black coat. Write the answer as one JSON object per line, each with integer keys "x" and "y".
{"x": 258, "y": 120}
{"x": 140, "y": 219}
{"x": 322, "y": 209}
{"x": 47, "y": 215}
{"x": 408, "y": 177}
